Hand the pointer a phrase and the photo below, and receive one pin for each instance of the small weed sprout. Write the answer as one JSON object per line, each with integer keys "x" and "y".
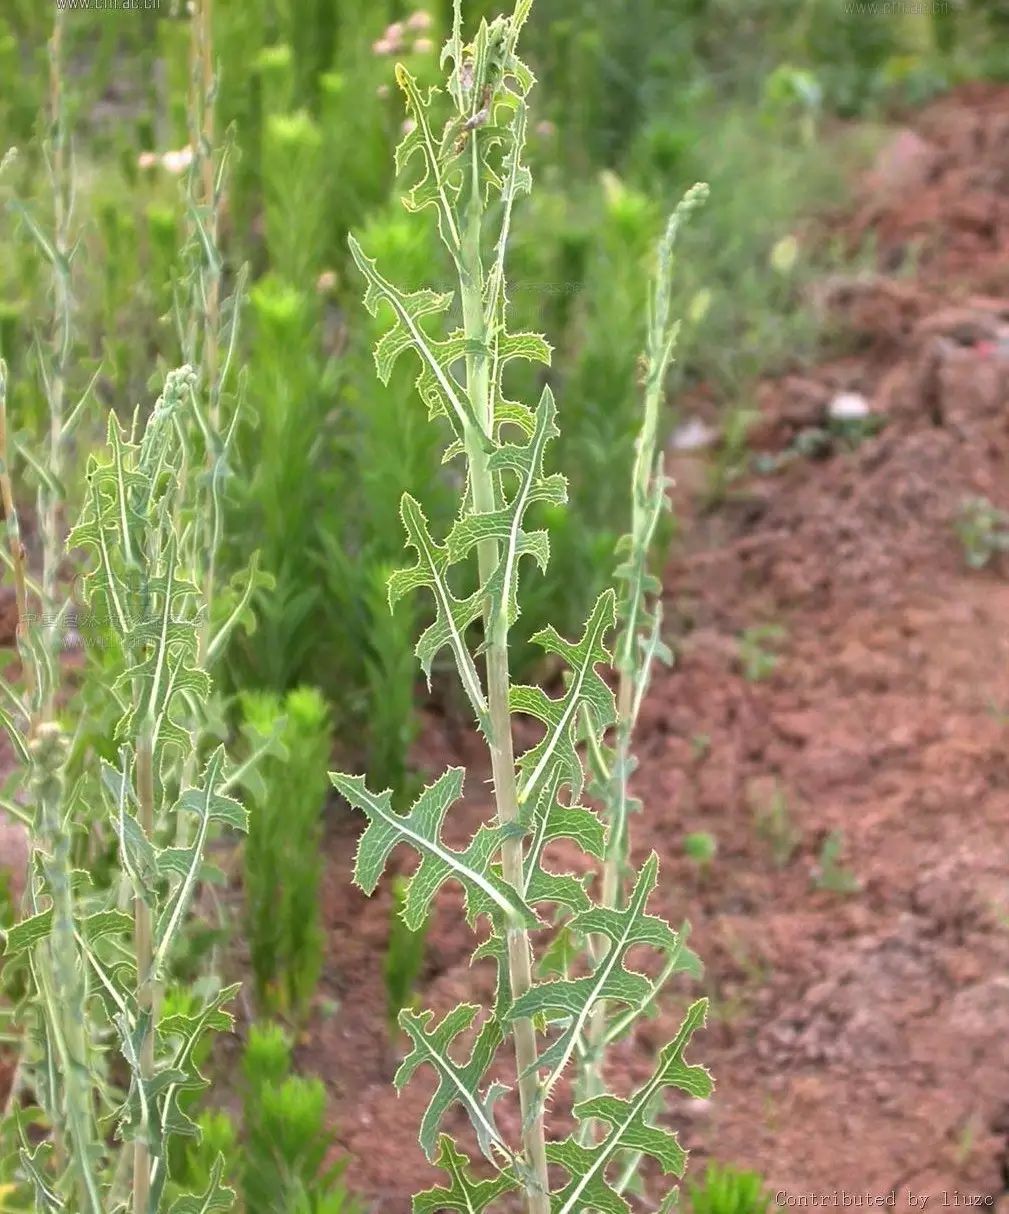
{"x": 774, "y": 825}
{"x": 291, "y": 740}
{"x": 983, "y": 531}
{"x": 470, "y": 172}
{"x": 758, "y": 646}
{"x": 701, "y": 847}
{"x": 700, "y": 746}
{"x": 830, "y": 873}
{"x": 733, "y": 455}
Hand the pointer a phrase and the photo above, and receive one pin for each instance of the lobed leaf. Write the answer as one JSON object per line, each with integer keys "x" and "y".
{"x": 586, "y": 697}
{"x": 463, "y": 1194}
{"x": 552, "y": 820}
{"x": 629, "y": 1129}
{"x": 452, "y": 615}
{"x": 35, "y": 928}
{"x": 458, "y": 1083}
{"x": 216, "y": 1196}
{"x": 209, "y": 805}
{"x": 153, "y": 1108}
{"x": 572, "y": 1001}
{"x": 436, "y": 383}
{"x": 505, "y": 525}
{"x": 485, "y": 890}
{"x": 439, "y": 183}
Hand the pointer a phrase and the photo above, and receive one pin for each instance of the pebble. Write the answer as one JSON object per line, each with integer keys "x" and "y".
{"x": 848, "y": 406}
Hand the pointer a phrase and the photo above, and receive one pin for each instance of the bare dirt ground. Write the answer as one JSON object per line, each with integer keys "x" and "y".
{"x": 860, "y": 1041}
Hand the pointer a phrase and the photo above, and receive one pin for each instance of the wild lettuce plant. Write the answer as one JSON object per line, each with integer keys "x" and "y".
{"x": 208, "y": 329}
{"x": 99, "y": 957}
{"x": 469, "y": 170}
{"x": 58, "y": 1052}
{"x": 639, "y": 644}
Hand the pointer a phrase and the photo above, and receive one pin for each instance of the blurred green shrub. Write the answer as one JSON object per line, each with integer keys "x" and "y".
{"x": 278, "y": 1160}
{"x": 286, "y": 1142}
{"x": 278, "y": 505}
{"x": 283, "y": 858}
{"x": 728, "y": 1190}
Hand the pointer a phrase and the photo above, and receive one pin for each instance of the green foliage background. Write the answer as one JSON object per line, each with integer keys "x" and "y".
{"x": 633, "y": 107}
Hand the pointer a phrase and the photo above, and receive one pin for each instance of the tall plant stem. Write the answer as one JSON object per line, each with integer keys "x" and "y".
{"x": 611, "y": 893}
{"x": 204, "y": 188}
{"x": 485, "y": 498}
{"x": 62, "y": 971}
{"x": 17, "y": 552}
{"x": 58, "y": 969}
{"x": 144, "y": 944}
{"x": 201, "y": 110}
{"x": 629, "y": 665}
{"x": 62, "y": 321}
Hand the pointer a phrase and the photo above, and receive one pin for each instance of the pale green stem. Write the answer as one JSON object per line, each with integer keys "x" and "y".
{"x": 203, "y": 139}
{"x": 203, "y": 195}
{"x": 617, "y": 844}
{"x": 52, "y": 538}
{"x": 144, "y": 943}
{"x": 17, "y": 552}
{"x": 611, "y": 895}
{"x": 499, "y": 734}
{"x": 65, "y": 996}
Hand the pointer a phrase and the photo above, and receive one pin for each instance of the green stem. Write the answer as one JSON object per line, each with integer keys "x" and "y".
{"x": 17, "y": 551}
{"x": 611, "y": 895}
{"x": 144, "y": 943}
{"x": 204, "y": 350}
{"x": 63, "y": 981}
{"x": 204, "y": 320}
{"x": 203, "y": 116}
{"x": 499, "y": 736}
{"x": 62, "y": 320}
{"x": 629, "y": 665}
